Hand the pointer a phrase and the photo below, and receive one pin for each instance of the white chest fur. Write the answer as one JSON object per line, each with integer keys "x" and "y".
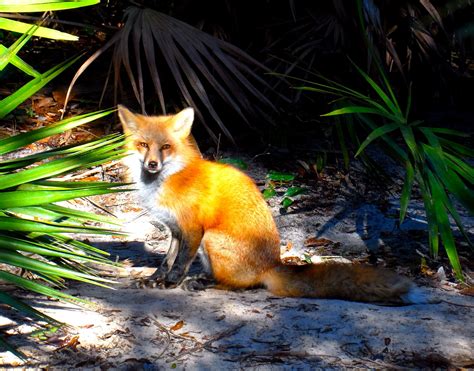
{"x": 149, "y": 189}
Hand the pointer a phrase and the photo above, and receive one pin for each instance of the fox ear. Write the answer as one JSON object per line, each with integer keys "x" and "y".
{"x": 183, "y": 121}
{"x": 127, "y": 118}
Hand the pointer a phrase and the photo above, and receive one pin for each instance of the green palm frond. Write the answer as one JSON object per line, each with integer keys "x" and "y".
{"x": 34, "y": 230}
{"x": 434, "y": 162}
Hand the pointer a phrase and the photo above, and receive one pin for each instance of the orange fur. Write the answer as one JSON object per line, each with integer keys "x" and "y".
{"x": 221, "y": 209}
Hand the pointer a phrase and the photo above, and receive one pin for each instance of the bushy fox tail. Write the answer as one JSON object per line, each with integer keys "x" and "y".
{"x": 342, "y": 281}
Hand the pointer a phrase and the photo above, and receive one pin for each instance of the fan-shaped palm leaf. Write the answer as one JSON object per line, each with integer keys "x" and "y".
{"x": 195, "y": 59}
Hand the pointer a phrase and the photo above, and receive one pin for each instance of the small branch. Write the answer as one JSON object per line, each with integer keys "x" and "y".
{"x": 207, "y": 344}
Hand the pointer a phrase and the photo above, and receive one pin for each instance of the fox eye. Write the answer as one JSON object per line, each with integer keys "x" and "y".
{"x": 143, "y": 144}
{"x": 165, "y": 146}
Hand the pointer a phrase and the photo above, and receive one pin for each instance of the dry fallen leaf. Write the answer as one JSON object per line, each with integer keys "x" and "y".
{"x": 292, "y": 260}
{"x": 90, "y": 325}
{"x": 316, "y": 242}
{"x": 468, "y": 291}
{"x": 71, "y": 343}
{"x": 177, "y": 326}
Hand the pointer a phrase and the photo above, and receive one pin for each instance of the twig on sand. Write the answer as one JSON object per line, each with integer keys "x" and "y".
{"x": 208, "y": 343}
{"x": 198, "y": 345}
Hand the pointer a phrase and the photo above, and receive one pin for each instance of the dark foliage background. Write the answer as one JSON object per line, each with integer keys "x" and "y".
{"x": 424, "y": 44}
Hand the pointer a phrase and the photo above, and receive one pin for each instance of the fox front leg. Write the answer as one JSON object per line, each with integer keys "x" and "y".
{"x": 159, "y": 275}
{"x": 183, "y": 260}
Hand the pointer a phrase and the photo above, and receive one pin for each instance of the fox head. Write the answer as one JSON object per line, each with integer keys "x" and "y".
{"x": 161, "y": 144}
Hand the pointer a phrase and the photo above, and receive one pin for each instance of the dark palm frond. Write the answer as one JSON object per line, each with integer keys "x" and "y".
{"x": 404, "y": 37}
{"x": 197, "y": 61}
{"x": 303, "y": 43}
{"x": 433, "y": 12}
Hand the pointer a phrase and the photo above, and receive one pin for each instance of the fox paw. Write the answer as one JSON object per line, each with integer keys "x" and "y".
{"x": 148, "y": 283}
{"x": 197, "y": 283}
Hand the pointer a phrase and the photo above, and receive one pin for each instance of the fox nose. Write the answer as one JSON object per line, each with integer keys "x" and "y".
{"x": 153, "y": 165}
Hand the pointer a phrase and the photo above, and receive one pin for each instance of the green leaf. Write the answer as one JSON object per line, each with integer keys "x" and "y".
{"x": 463, "y": 169}
{"x": 392, "y": 106}
{"x": 433, "y": 230}
{"x": 68, "y": 243}
{"x": 9, "y": 103}
{"x": 17, "y": 62}
{"x": 24, "y": 225}
{"x": 61, "y": 165}
{"x": 16, "y": 244}
{"x": 18, "y": 260}
{"x": 8, "y": 55}
{"x": 75, "y": 149}
{"x": 269, "y": 192}
{"x": 25, "y": 308}
{"x": 397, "y": 152}
{"x": 447, "y": 131}
{"x": 359, "y": 109}
{"x": 277, "y": 176}
{"x": 410, "y": 140}
{"x": 287, "y": 202}
{"x": 450, "y": 179}
{"x": 34, "y": 198}
{"x": 7, "y": 346}
{"x": 82, "y": 215}
{"x": 294, "y": 191}
{"x": 21, "y": 27}
{"x": 456, "y": 148}
{"x": 409, "y": 101}
{"x": 27, "y": 6}
{"x": 444, "y": 226}
{"x": 307, "y": 258}
{"x": 38, "y": 288}
{"x": 380, "y": 131}
{"x": 406, "y": 191}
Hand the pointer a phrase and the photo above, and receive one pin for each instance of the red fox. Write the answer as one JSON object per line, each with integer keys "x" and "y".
{"x": 217, "y": 209}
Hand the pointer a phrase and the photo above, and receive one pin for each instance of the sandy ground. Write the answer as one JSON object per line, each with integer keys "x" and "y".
{"x": 132, "y": 328}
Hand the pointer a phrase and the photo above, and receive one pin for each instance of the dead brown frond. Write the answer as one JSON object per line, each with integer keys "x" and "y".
{"x": 197, "y": 62}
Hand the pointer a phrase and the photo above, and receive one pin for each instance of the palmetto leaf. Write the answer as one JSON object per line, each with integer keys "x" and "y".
{"x": 21, "y": 27}
{"x": 38, "y": 288}
{"x": 43, "y": 249}
{"x": 33, "y": 231}
{"x": 30, "y": 237}
{"x": 380, "y": 131}
{"x": 23, "y": 6}
{"x": 440, "y": 199}
{"x": 406, "y": 191}
{"x": 10, "y": 53}
{"x": 25, "y": 308}
{"x": 9, "y": 103}
{"x": 19, "y": 260}
{"x": 16, "y": 61}
{"x": 195, "y": 59}
{"x": 351, "y": 110}
{"x": 14, "y": 143}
